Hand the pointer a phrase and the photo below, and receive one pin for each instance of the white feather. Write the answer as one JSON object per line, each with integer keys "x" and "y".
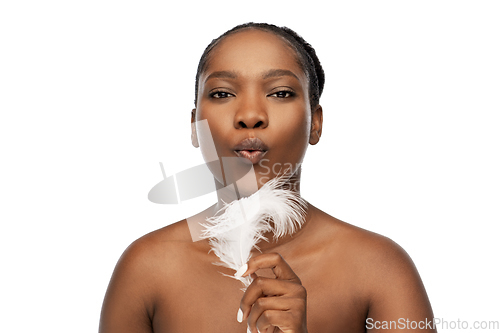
{"x": 236, "y": 229}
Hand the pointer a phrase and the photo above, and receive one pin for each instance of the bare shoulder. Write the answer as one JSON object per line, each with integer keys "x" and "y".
{"x": 361, "y": 246}
{"x": 156, "y": 257}
{"x": 153, "y": 251}
{"x": 157, "y": 251}
{"x": 379, "y": 269}
{"x": 131, "y": 297}
{"x": 175, "y": 233}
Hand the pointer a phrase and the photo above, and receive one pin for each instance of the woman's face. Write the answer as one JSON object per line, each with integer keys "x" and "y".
{"x": 255, "y": 98}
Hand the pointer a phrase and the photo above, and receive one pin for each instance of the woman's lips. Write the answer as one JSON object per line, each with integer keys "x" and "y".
{"x": 253, "y": 149}
{"x": 254, "y": 156}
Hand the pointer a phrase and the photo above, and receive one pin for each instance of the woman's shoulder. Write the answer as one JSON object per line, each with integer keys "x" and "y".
{"x": 175, "y": 233}
{"x": 357, "y": 240}
{"x": 374, "y": 261}
{"x": 154, "y": 250}
{"x": 147, "y": 265}
{"x": 365, "y": 250}
{"x": 371, "y": 269}
{"x": 167, "y": 247}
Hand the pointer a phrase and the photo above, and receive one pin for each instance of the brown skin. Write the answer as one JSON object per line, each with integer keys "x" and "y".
{"x": 327, "y": 277}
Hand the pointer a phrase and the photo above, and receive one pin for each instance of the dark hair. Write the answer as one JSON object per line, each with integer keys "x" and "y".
{"x": 307, "y": 57}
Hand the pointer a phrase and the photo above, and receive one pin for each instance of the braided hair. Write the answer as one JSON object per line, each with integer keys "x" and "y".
{"x": 307, "y": 58}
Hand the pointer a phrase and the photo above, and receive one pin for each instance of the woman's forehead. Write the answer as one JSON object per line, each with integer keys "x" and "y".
{"x": 253, "y": 52}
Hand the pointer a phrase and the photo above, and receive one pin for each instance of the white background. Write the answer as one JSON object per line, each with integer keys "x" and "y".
{"x": 93, "y": 94}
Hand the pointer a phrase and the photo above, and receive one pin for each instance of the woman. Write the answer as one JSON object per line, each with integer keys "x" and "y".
{"x": 258, "y": 87}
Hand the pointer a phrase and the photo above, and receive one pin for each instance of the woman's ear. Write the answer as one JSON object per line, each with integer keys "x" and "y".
{"x": 316, "y": 125}
{"x": 194, "y": 136}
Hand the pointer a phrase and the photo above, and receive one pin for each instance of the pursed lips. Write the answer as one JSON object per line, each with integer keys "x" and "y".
{"x": 252, "y": 149}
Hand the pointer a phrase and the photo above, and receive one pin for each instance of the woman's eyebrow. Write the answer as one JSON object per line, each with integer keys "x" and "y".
{"x": 222, "y": 75}
{"x": 277, "y": 73}
{"x": 272, "y": 73}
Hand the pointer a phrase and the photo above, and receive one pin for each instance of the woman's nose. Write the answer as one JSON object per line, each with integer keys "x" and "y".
{"x": 251, "y": 114}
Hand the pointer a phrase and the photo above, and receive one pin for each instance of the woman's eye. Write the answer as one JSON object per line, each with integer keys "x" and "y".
{"x": 283, "y": 94}
{"x": 220, "y": 94}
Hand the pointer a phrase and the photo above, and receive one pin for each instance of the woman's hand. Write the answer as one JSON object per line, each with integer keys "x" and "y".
{"x": 274, "y": 305}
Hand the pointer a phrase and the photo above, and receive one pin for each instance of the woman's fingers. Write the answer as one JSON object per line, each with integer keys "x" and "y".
{"x": 274, "y": 261}
{"x": 263, "y": 287}
{"x": 282, "y": 312}
{"x": 268, "y": 322}
{"x": 274, "y": 302}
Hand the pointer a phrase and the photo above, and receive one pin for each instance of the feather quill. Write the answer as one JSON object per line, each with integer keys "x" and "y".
{"x": 239, "y": 225}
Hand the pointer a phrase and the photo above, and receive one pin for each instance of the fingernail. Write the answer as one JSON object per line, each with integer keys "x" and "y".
{"x": 239, "y": 317}
{"x": 241, "y": 271}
